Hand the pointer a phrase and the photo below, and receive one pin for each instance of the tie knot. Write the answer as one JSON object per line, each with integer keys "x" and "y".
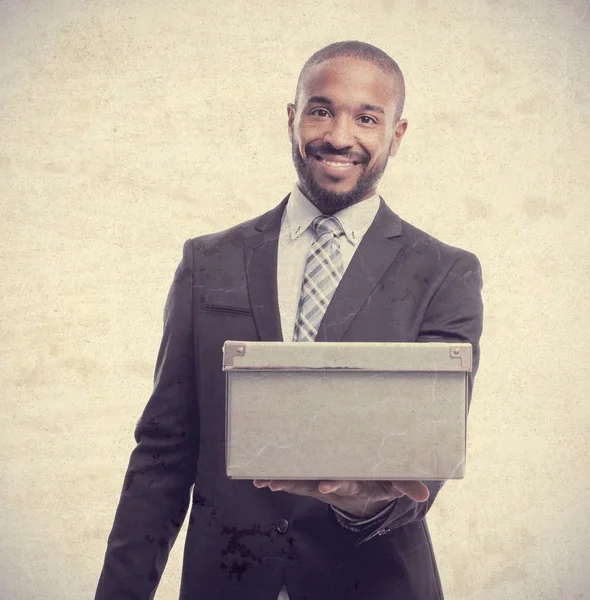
{"x": 324, "y": 224}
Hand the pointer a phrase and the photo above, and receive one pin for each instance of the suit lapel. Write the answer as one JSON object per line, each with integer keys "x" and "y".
{"x": 375, "y": 253}
{"x": 260, "y": 254}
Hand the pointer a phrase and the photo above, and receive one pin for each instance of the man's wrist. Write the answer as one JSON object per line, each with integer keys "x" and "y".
{"x": 366, "y": 519}
{"x": 369, "y": 511}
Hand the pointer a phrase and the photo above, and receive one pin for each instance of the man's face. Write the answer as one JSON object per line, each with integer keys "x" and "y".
{"x": 343, "y": 131}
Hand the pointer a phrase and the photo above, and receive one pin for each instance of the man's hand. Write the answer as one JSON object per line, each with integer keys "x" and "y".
{"x": 360, "y": 498}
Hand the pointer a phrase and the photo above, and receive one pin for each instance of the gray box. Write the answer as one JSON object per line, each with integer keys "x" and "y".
{"x": 362, "y": 411}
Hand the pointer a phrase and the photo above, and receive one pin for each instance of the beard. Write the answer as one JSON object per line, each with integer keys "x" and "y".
{"x": 328, "y": 201}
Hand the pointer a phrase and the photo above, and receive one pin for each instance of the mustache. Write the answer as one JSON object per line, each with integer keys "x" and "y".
{"x": 329, "y": 149}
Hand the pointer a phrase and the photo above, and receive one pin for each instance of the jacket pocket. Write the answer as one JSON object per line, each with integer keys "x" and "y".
{"x": 225, "y": 310}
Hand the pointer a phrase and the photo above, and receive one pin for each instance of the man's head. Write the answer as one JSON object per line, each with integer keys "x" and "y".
{"x": 345, "y": 123}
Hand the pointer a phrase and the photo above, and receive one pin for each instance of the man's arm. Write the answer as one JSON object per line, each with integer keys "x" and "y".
{"x": 455, "y": 314}
{"x": 155, "y": 495}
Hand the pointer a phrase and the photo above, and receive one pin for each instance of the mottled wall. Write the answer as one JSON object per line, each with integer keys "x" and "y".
{"x": 128, "y": 126}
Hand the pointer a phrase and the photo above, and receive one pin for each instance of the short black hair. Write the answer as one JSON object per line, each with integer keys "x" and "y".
{"x": 362, "y": 51}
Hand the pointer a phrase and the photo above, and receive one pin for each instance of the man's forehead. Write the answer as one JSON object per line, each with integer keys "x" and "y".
{"x": 349, "y": 78}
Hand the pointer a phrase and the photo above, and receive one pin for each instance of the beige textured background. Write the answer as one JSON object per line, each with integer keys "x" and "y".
{"x": 128, "y": 126}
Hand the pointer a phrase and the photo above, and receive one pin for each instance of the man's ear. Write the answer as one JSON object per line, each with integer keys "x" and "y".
{"x": 290, "y": 119}
{"x": 400, "y": 129}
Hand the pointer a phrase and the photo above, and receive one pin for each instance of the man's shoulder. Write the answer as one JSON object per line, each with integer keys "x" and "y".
{"x": 234, "y": 236}
{"x": 428, "y": 246}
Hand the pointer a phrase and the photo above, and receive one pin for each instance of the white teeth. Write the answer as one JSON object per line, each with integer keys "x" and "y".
{"x": 338, "y": 164}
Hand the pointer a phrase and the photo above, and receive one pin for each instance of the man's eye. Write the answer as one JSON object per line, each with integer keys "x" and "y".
{"x": 366, "y": 120}
{"x": 320, "y": 112}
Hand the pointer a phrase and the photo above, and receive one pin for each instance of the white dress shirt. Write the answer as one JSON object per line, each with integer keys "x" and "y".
{"x": 295, "y": 238}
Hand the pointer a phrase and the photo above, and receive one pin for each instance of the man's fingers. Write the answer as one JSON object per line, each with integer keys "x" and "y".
{"x": 300, "y": 487}
{"x": 413, "y": 489}
{"x": 371, "y": 490}
{"x": 341, "y": 488}
{"x": 330, "y": 487}
{"x": 280, "y": 485}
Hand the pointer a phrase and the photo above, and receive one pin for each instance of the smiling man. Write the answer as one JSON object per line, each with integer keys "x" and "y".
{"x": 345, "y": 125}
{"x": 332, "y": 262}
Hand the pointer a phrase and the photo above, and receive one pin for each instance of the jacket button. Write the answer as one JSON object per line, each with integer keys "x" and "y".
{"x": 282, "y": 525}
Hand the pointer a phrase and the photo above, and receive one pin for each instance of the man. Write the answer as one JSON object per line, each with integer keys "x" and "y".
{"x": 380, "y": 279}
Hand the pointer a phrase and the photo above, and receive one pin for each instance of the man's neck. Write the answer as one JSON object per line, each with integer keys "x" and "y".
{"x": 331, "y": 210}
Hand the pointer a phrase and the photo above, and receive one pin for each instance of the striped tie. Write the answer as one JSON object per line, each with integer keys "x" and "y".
{"x": 323, "y": 272}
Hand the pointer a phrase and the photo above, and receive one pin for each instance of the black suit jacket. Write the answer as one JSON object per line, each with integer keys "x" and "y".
{"x": 402, "y": 285}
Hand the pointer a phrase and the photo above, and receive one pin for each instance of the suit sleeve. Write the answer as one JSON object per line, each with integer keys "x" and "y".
{"x": 162, "y": 467}
{"x": 454, "y": 314}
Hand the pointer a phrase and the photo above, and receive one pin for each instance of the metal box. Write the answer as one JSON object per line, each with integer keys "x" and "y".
{"x": 364, "y": 411}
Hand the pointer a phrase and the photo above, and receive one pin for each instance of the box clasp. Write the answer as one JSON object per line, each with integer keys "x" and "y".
{"x": 230, "y": 351}
{"x": 463, "y": 353}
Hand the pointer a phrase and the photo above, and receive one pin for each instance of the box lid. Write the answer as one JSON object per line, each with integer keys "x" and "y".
{"x": 357, "y": 356}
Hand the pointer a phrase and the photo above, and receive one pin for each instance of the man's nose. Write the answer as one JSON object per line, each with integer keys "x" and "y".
{"x": 340, "y": 134}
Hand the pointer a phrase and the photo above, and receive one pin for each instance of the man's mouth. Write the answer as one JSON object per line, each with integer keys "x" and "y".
{"x": 337, "y": 162}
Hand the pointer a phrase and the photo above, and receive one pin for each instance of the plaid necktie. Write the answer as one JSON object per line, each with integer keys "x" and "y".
{"x": 323, "y": 272}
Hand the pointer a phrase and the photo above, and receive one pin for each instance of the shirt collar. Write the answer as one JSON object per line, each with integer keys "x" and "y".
{"x": 355, "y": 219}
